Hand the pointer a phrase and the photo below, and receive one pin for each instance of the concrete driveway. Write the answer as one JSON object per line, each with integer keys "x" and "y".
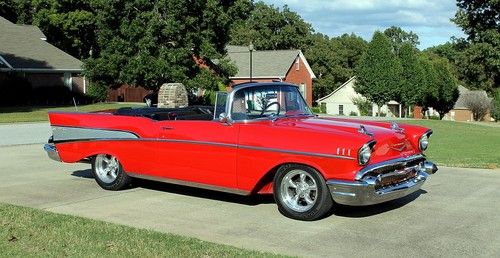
{"x": 455, "y": 215}
{"x": 24, "y": 133}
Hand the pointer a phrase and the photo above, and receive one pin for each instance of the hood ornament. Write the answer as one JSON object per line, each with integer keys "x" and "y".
{"x": 395, "y": 127}
{"x": 363, "y": 130}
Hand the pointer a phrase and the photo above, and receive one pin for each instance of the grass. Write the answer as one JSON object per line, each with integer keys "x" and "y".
{"x": 459, "y": 144}
{"x": 27, "y": 232}
{"x": 39, "y": 113}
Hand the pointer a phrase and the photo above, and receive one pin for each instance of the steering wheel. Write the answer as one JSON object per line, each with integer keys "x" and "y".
{"x": 269, "y": 105}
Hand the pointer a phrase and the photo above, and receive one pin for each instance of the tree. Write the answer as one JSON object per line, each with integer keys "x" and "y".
{"x": 412, "y": 90}
{"x": 148, "y": 43}
{"x": 398, "y": 37}
{"x": 379, "y": 72}
{"x": 431, "y": 92}
{"x": 495, "y": 106}
{"x": 333, "y": 60}
{"x": 480, "y": 20}
{"x": 268, "y": 27}
{"x": 446, "y": 85}
{"x": 478, "y": 103}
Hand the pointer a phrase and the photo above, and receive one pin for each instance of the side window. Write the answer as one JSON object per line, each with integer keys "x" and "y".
{"x": 302, "y": 89}
{"x": 220, "y": 104}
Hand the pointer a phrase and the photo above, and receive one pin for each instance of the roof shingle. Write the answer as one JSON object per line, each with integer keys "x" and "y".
{"x": 22, "y": 48}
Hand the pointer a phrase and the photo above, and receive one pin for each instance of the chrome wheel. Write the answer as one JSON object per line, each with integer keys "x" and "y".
{"x": 298, "y": 190}
{"x": 106, "y": 168}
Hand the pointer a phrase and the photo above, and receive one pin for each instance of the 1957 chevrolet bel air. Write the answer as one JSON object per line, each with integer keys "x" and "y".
{"x": 261, "y": 138}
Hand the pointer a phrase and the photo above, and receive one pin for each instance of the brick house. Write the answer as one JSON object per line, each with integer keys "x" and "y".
{"x": 270, "y": 65}
{"x": 460, "y": 112}
{"x": 25, "y": 52}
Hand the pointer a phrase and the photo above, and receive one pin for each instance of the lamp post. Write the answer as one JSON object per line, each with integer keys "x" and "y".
{"x": 250, "y": 48}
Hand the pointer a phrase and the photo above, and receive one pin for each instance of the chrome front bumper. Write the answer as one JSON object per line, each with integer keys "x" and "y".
{"x": 51, "y": 150}
{"x": 369, "y": 190}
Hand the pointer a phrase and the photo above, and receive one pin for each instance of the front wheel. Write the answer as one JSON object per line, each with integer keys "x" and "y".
{"x": 301, "y": 192}
{"x": 109, "y": 173}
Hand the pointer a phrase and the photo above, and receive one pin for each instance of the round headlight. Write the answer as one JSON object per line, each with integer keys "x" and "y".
{"x": 364, "y": 155}
{"x": 423, "y": 143}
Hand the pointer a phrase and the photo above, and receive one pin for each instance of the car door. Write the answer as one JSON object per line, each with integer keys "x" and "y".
{"x": 201, "y": 152}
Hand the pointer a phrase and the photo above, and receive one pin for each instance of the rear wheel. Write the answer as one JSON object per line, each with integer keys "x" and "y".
{"x": 109, "y": 173}
{"x": 301, "y": 192}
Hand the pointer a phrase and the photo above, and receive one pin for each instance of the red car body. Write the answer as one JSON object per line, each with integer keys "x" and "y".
{"x": 243, "y": 156}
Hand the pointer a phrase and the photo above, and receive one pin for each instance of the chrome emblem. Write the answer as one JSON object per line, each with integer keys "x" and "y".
{"x": 395, "y": 127}
{"x": 398, "y": 146}
{"x": 363, "y": 130}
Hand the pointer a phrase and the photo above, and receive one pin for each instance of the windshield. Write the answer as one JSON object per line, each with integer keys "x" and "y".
{"x": 262, "y": 102}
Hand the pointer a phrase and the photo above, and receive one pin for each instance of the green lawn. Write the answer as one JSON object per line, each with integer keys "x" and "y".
{"x": 459, "y": 144}
{"x": 26, "y": 232}
{"x": 34, "y": 114}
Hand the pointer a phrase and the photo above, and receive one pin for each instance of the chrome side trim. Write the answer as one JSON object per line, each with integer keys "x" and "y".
{"x": 190, "y": 184}
{"x": 387, "y": 163}
{"x": 296, "y": 152}
{"x": 62, "y": 133}
{"x": 225, "y": 145}
{"x": 52, "y": 152}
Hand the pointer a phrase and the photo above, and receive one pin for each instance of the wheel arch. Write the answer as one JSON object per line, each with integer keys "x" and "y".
{"x": 265, "y": 184}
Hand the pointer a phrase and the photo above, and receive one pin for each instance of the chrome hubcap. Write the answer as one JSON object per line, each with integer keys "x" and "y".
{"x": 299, "y": 190}
{"x": 106, "y": 167}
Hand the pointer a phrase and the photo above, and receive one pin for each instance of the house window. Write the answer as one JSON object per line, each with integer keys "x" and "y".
{"x": 341, "y": 110}
{"x": 68, "y": 80}
{"x": 297, "y": 64}
{"x": 302, "y": 89}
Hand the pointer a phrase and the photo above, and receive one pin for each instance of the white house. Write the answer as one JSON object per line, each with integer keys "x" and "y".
{"x": 340, "y": 102}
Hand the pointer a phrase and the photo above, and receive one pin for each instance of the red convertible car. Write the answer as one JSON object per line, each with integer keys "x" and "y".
{"x": 261, "y": 138}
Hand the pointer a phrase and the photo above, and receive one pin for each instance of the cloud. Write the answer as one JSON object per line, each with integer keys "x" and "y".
{"x": 430, "y": 19}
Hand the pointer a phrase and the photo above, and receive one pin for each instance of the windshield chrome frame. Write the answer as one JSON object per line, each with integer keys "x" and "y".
{"x": 230, "y": 98}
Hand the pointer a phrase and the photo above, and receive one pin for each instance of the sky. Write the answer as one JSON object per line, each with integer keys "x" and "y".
{"x": 429, "y": 19}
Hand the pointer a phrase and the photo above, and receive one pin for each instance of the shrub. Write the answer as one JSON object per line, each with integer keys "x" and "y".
{"x": 316, "y": 110}
{"x": 478, "y": 103}
{"x": 434, "y": 117}
{"x": 495, "y": 106}
{"x": 364, "y": 105}
{"x": 353, "y": 113}
{"x": 382, "y": 114}
{"x": 57, "y": 95}
{"x": 97, "y": 92}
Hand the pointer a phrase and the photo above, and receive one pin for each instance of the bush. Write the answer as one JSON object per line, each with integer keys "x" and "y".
{"x": 97, "y": 92}
{"x": 382, "y": 114}
{"x": 316, "y": 110}
{"x": 353, "y": 113}
{"x": 57, "y": 95}
{"x": 478, "y": 103}
{"x": 364, "y": 105}
{"x": 495, "y": 107}
{"x": 434, "y": 117}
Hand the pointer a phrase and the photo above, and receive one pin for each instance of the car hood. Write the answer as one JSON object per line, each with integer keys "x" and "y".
{"x": 390, "y": 143}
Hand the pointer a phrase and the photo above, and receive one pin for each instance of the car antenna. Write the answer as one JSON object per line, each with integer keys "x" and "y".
{"x": 74, "y": 102}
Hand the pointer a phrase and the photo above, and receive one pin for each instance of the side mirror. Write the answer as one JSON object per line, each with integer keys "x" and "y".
{"x": 224, "y": 118}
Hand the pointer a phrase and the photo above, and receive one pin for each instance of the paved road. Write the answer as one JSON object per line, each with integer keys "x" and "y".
{"x": 455, "y": 215}
{"x": 24, "y": 133}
